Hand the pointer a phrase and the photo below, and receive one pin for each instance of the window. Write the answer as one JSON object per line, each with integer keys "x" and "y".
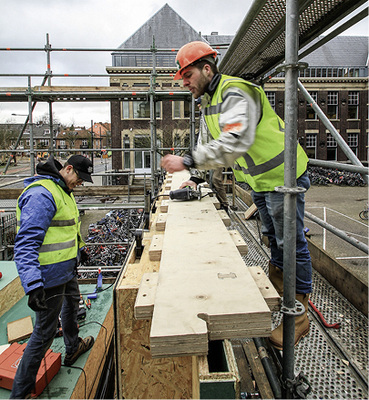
{"x": 331, "y": 148}
{"x": 84, "y": 142}
{"x": 46, "y": 131}
{"x": 331, "y": 141}
{"x": 353, "y": 105}
{"x": 44, "y": 142}
{"x": 187, "y": 106}
{"x": 311, "y": 145}
{"x": 126, "y": 145}
{"x": 310, "y": 113}
{"x": 271, "y": 97}
{"x": 353, "y": 141}
{"x": 176, "y": 109}
{"x": 125, "y": 110}
{"x": 142, "y": 158}
{"x": 141, "y": 109}
{"x": 332, "y": 103}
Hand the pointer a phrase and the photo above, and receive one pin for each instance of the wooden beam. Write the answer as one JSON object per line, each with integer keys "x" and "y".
{"x": 352, "y": 288}
{"x": 257, "y": 368}
{"x": 204, "y": 289}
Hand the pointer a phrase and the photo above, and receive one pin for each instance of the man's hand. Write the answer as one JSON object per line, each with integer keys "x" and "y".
{"x": 172, "y": 163}
{"x": 36, "y": 299}
{"x": 189, "y": 183}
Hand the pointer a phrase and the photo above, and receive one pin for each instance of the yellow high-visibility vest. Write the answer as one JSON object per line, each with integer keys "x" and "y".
{"x": 262, "y": 166}
{"x": 62, "y": 238}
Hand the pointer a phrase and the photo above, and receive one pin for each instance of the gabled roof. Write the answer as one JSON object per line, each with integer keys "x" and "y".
{"x": 168, "y": 28}
{"x": 341, "y": 51}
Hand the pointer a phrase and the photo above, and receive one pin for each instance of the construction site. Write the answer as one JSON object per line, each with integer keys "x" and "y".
{"x": 175, "y": 289}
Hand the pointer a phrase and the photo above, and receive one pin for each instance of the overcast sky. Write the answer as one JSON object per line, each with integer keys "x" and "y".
{"x": 93, "y": 24}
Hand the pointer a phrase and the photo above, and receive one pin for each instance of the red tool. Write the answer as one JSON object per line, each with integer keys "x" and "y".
{"x": 88, "y": 303}
{"x": 336, "y": 325}
{"x": 9, "y": 361}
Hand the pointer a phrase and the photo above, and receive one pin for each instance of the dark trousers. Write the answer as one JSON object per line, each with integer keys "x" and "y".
{"x": 61, "y": 300}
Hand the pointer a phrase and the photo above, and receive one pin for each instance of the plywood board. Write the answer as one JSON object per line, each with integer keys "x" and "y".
{"x": 156, "y": 247}
{"x": 250, "y": 211}
{"x": 164, "y": 206}
{"x": 267, "y": 289}
{"x": 204, "y": 287}
{"x": 161, "y": 222}
{"x": 141, "y": 376}
{"x": 19, "y": 329}
{"x": 239, "y": 242}
{"x": 144, "y": 305}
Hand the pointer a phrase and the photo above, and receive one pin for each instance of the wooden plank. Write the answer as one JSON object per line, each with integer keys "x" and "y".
{"x": 11, "y": 290}
{"x": 164, "y": 206}
{"x": 144, "y": 305}
{"x": 215, "y": 202}
{"x": 250, "y": 211}
{"x": 19, "y": 329}
{"x": 224, "y": 217}
{"x": 239, "y": 242}
{"x": 161, "y": 222}
{"x": 204, "y": 288}
{"x": 156, "y": 247}
{"x": 267, "y": 289}
{"x": 350, "y": 286}
{"x": 258, "y": 370}
{"x": 246, "y": 381}
{"x": 149, "y": 284}
{"x": 142, "y": 376}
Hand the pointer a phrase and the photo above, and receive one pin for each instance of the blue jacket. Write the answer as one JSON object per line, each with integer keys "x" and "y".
{"x": 37, "y": 210}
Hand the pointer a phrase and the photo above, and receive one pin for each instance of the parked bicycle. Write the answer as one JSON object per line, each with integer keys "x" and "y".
{"x": 364, "y": 213}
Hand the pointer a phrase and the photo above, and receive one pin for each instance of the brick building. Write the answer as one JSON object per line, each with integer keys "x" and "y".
{"x": 337, "y": 78}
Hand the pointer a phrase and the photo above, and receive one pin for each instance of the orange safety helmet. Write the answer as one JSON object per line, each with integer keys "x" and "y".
{"x": 191, "y": 52}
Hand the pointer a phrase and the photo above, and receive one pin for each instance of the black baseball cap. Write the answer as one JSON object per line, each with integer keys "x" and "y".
{"x": 83, "y": 166}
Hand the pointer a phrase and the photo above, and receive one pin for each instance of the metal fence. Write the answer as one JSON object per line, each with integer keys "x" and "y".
{"x": 8, "y": 230}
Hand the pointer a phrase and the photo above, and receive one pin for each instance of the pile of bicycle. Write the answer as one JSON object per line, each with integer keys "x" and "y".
{"x": 109, "y": 239}
{"x": 329, "y": 176}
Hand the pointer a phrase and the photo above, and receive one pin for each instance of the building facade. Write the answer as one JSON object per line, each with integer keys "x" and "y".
{"x": 337, "y": 78}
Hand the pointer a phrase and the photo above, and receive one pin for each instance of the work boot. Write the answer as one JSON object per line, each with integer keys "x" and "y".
{"x": 276, "y": 277}
{"x": 302, "y": 325}
{"x": 83, "y": 346}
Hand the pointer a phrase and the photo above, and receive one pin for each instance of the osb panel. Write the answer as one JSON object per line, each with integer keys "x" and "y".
{"x": 142, "y": 376}
{"x": 10, "y": 295}
{"x": 87, "y": 383}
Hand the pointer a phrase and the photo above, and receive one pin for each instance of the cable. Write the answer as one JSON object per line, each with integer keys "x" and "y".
{"x": 84, "y": 372}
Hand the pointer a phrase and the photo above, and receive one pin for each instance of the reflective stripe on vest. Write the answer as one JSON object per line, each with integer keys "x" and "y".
{"x": 263, "y": 164}
{"x": 62, "y": 237}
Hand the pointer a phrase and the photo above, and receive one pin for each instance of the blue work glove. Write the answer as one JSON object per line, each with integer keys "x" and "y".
{"x": 36, "y": 299}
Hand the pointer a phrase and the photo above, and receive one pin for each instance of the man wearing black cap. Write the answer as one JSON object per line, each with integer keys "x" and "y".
{"x": 46, "y": 252}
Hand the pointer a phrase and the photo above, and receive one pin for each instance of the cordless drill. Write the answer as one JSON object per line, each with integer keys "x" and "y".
{"x": 187, "y": 193}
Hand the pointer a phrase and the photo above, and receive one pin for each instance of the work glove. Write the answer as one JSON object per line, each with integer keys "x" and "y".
{"x": 83, "y": 256}
{"x": 36, "y": 299}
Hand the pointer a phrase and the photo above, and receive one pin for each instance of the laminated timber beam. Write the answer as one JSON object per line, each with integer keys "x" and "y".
{"x": 204, "y": 289}
{"x": 140, "y": 375}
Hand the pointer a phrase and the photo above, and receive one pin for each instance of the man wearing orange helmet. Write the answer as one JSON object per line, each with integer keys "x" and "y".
{"x": 242, "y": 131}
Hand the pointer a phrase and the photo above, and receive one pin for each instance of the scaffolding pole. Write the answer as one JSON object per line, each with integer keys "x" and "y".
{"x": 328, "y": 124}
{"x": 290, "y": 191}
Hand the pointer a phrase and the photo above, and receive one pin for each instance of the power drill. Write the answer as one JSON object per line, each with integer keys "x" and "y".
{"x": 187, "y": 193}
